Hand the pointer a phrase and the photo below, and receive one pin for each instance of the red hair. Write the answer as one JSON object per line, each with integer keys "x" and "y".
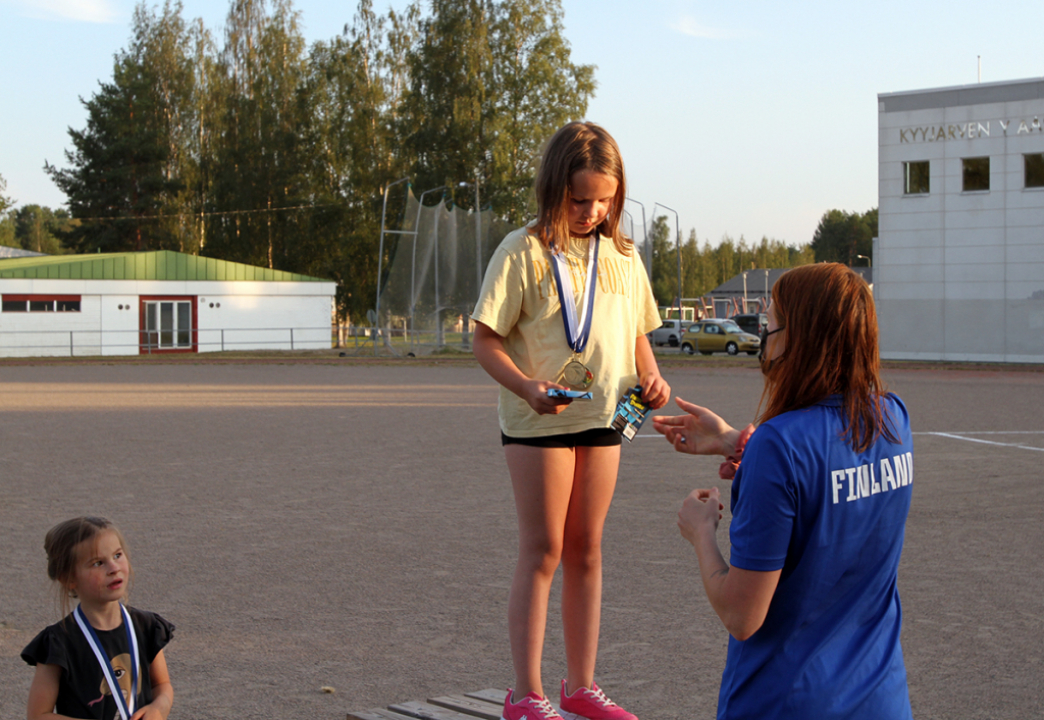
{"x": 830, "y": 320}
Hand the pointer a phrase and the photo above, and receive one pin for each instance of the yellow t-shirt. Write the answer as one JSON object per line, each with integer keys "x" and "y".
{"x": 519, "y": 301}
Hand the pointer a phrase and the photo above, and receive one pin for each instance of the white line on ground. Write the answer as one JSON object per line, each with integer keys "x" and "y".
{"x": 954, "y": 435}
{"x": 977, "y": 440}
{"x": 988, "y": 432}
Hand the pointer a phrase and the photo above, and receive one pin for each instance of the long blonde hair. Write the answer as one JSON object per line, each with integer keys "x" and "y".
{"x": 574, "y": 148}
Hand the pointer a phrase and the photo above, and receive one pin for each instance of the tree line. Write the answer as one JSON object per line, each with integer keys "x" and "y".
{"x": 841, "y": 236}
{"x": 249, "y": 145}
{"x": 705, "y": 267}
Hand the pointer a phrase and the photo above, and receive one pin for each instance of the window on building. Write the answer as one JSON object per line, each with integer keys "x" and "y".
{"x": 976, "y": 174}
{"x": 915, "y": 176}
{"x": 40, "y": 303}
{"x": 168, "y": 324}
{"x": 1034, "y": 170}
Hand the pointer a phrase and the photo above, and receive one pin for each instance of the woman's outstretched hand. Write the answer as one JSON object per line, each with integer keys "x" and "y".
{"x": 698, "y": 432}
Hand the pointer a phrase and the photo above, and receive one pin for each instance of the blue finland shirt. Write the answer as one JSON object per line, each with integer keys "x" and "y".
{"x": 832, "y": 521}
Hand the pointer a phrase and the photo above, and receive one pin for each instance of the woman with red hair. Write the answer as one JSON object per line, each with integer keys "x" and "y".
{"x": 819, "y": 500}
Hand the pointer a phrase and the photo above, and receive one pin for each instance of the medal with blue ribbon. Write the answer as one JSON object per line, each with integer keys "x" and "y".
{"x": 125, "y": 707}
{"x": 577, "y": 330}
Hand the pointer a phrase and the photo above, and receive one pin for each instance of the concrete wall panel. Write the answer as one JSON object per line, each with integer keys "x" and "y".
{"x": 903, "y": 327}
{"x": 1026, "y": 272}
{"x": 990, "y": 303}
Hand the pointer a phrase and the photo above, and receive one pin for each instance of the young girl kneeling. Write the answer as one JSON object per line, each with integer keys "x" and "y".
{"x": 102, "y": 644}
{"x": 562, "y": 455}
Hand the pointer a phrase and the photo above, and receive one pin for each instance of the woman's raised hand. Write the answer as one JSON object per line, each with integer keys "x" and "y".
{"x": 698, "y": 432}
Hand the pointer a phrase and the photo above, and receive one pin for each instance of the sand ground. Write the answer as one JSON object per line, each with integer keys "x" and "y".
{"x": 352, "y": 526}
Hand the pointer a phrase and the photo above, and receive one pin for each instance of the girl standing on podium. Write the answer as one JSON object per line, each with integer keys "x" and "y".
{"x": 565, "y": 304}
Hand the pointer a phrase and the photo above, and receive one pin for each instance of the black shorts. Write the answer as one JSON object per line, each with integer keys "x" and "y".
{"x": 598, "y": 437}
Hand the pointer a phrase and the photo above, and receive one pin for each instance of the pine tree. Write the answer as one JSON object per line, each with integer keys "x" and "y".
{"x": 665, "y": 262}
{"x": 841, "y": 236}
{"x": 119, "y": 177}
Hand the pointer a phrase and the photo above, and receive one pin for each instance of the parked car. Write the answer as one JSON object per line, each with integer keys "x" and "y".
{"x": 668, "y": 334}
{"x": 717, "y": 335}
{"x": 751, "y": 322}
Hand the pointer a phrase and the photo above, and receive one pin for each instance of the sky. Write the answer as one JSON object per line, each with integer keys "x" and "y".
{"x": 749, "y": 118}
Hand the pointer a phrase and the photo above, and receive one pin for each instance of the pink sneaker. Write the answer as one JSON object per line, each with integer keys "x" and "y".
{"x": 531, "y": 707}
{"x": 591, "y": 704}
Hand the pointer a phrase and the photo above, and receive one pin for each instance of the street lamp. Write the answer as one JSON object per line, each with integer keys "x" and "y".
{"x": 478, "y": 252}
{"x": 868, "y": 261}
{"x": 677, "y": 244}
{"x": 645, "y": 239}
{"x": 630, "y": 219}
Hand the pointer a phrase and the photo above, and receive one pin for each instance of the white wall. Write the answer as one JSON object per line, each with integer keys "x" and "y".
{"x": 247, "y": 315}
{"x": 960, "y": 275}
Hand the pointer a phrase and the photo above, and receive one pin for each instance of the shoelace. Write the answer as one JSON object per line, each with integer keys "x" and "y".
{"x": 543, "y": 707}
{"x": 600, "y": 698}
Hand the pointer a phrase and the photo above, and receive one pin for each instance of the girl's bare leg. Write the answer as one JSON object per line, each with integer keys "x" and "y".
{"x": 542, "y": 479}
{"x": 593, "y": 484}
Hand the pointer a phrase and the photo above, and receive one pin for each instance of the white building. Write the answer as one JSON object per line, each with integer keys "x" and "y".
{"x": 959, "y": 262}
{"x": 157, "y": 302}
{"x": 13, "y": 252}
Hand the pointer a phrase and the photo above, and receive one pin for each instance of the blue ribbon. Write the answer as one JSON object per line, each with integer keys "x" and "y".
{"x": 565, "y": 298}
{"x": 126, "y": 708}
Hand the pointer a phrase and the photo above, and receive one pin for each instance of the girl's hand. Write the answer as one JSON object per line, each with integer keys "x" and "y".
{"x": 655, "y": 390}
{"x": 699, "y": 432}
{"x": 534, "y": 392}
{"x": 700, "y": 511}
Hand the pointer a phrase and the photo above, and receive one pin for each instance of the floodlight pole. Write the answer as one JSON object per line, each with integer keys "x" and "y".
{"x": 478, "y": 252}
{"x": 630, "y": 219}
{"x": 380, "y": 257}
{"x": 745, "y": 290}
{"x": 438, "y": 308}
{"x": 677, "y": 245}
{"x": 413, "y": 266}
{"x": 645, "y": 240}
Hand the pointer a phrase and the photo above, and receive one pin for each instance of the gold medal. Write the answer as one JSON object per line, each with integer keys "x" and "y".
{"x": 577, "y": 375}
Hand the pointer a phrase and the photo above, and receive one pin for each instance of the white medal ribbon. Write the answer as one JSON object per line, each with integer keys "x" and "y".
{"x": 577, "y": 331}
{"x": 126, "y": 708}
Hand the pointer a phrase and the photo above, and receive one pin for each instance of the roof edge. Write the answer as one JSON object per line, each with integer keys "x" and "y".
{"x": 958, "y": 95}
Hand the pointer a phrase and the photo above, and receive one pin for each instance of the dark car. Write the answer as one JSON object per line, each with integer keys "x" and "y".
{"x": 751, "y": 322}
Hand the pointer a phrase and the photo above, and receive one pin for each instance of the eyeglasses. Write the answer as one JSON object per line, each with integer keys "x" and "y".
{"x": 764, "y": 339}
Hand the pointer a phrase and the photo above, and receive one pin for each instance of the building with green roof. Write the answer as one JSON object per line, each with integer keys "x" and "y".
{"x": 156, "y": 302}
